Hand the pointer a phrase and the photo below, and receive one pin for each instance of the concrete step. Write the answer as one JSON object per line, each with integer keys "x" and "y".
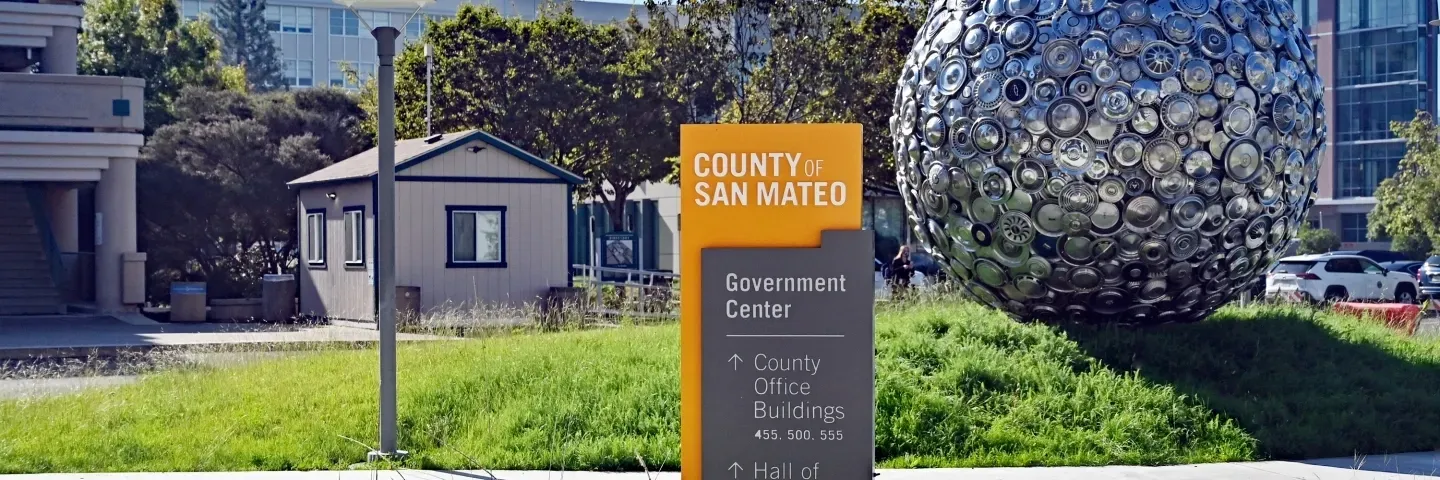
{"x": 52, "y": 299}
{"x": 7, "y": 258}
{"x": 37, "y": 290}
{"x": 19, "y": 247}
{"x": 55, "y": 309}
{"x": 25, "y": 271}
{"x": 25, "y": 283}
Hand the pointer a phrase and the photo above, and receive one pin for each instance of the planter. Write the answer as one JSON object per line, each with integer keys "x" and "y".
{"x": 236, "y": 309}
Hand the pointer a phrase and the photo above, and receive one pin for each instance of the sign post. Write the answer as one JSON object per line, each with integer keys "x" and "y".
{"x": 777, "y": 305}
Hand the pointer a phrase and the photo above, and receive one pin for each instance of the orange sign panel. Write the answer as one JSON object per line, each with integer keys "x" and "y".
{"x": 754, "y": 186}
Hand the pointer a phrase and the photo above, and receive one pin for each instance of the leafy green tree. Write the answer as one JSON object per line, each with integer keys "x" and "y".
{"x": 245, "y": 40}
{"x": 1317, "y": 240}
{"x": 1407, "y": 204}
{"x": 1417, "y": 247}
{"x": 147, "y": 39}
{"x": 866, "y": 56}
{"x": 226, "y": 160}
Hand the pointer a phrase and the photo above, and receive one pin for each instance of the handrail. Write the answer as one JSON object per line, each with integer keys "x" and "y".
{"x": 36, "y": 195}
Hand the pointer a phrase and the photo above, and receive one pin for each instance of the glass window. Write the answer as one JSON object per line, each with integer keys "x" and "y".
{"x": 1354, "y": 227}
{"x": 1370, "y": 267}
{"x": 344, "y": 22}
{"x": 477, "y": 236}
{"x": 355, "y": 235}
{"x": 337, "y": 74}
{"x": 1365, "y": 113}
{"x": 1306, "y": 12}
{"x": 1377, "y": 56}
{"x": 1342, "y": 265}
{"x": 1356, "y": 14}
{"x": 315, "y": 237}
{"x": 416, "y": 27}
{"x": 304, "y": 20}
{"x": 192, "y": 9}
{"x": 1295, "y": 268}
{"x": 305, "y": 73}
{"x": 287, "y": 71}
{"x": 1359, "y": 169}
{"x": 272, "y": 18}
{"x": 287, "y": 19}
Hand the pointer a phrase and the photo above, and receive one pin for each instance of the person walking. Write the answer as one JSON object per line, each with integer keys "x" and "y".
{"x": 901, "y": 270}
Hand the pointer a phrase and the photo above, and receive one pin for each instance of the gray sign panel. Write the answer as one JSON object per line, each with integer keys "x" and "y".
{"x": 788, "y": 372}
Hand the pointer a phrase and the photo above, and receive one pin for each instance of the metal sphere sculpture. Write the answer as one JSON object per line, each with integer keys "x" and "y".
{"x": 1121, "y": 161}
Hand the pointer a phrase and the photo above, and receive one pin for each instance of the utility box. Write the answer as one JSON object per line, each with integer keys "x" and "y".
{"x": 132, "y": 278}
{"x": 277, "y": 294}
{"x": 407, "y": 304}
{"x": 187, "y": 302}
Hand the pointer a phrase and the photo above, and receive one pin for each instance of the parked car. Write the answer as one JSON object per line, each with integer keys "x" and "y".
{"x": 1409, "y": 267}
{"x": 1374, "y": 255}
{"x": 1333, "y": 277}
{"x": 1429, "y": 278}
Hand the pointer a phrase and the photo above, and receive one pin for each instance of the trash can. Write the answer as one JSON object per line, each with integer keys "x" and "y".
{"x": 277, "y": 294}
{"x": 187, "y": 302}
{"x": 407, "y": 304}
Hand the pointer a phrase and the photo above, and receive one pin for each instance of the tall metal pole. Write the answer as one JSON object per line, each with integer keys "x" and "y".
{"x": 428, "y": 63}
{"x": 385, "y": 238}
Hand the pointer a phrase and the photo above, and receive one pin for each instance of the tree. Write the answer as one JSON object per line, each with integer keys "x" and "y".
{"x": 1416, "y": 247}
{"x": 228, "y": 157}
{"x": 866, "y": 57}
{"x": 147, "y": 39}
{"x": 245, "y": 40}
{"x": 1317, "y": 240}
{"x": 1407, "y": 206}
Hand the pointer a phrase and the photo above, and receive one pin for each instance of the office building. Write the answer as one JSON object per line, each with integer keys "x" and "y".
{"x": 68, "y": 146}
{"x": 315, "y": 38}
{"x": 1378, "y": 59}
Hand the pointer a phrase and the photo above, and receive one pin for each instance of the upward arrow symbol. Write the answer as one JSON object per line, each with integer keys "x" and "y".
{"x": 735, "y": 361}
{"x": 735, "y": 470}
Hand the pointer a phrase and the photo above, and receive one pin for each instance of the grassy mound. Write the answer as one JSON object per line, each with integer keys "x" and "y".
{"x": 958, "y": 385}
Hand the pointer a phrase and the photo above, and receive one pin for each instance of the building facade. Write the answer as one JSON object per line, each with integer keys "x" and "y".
{"x": 1378, "y": 59}
{"x": 479, "y": 224}
{"x": 68, "y": 146}
{"x": 316, "y": 38}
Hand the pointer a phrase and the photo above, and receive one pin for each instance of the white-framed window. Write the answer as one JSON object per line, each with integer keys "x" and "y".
{"x": 192, "y": 9}
{"x": 344, "y": 23}
{"x": 290, "y": 19}
{"x": 298, "y": 73}
{"x": 365, "y": 70}
{"x": 416, "y": 27}
{"x": 376, "y": 19}
{"x": 315, "y": 237}
{"x": 355, "y": 235}
{"x": 476, "y": 236}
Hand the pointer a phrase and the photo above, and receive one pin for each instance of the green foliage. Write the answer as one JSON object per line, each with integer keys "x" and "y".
{"x": 1407, "y": 206}
{"x": 147, "y": 39}
{"x": 245, "y": 40}
{"x": 1317, "y": 240}
{"x": 1417, "y": 247}
{"x": 957, "y": 385}
{"x": 212, "y": 184}
{"x": 824, "y": 61}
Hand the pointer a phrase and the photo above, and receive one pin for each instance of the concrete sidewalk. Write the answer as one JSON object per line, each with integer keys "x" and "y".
{"x": 1412, "y": 466}
{"x": 81, "y": 335}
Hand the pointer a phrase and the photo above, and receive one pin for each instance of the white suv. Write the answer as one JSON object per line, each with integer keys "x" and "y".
{"x": 1337, "y": 278}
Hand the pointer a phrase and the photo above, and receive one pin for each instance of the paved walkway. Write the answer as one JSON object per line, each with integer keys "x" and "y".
{"x": 65, "y": 335}
{"x": 1413, "y": 466}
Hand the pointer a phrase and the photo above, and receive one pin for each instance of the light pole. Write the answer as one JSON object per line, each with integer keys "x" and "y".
{"x": 385, "y": 215}
{"x": 429, "y": 60}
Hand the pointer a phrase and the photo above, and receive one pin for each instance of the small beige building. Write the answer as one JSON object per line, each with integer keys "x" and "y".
{"x": 479, "y": 222}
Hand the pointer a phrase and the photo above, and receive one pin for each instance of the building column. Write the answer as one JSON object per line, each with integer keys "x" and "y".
{"x": 61, "y": 52}
{"x": 65, "y": 217}
{"x": 114, "y": 232}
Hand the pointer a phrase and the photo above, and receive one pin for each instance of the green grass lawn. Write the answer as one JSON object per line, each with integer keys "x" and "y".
{"x": 958, "y": 385}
